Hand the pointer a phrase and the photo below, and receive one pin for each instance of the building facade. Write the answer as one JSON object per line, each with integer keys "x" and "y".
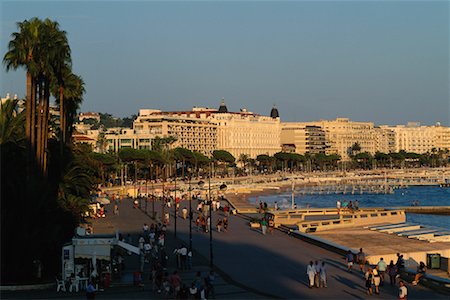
{"x": 420, "y": 139}
{"x": 341, "y": 134}
{"x": 192, "y": 133}
{"x": 208, "y": 129}
{"x": 119, "y": 138}
{"x": 303, "y": 138}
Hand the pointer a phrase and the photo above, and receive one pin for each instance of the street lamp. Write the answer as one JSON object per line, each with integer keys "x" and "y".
{"x": 176, "y": 204}
{"x": 222, "y": 187}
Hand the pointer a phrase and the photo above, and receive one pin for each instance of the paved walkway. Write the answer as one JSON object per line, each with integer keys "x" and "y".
{"x": 276, "y": 264}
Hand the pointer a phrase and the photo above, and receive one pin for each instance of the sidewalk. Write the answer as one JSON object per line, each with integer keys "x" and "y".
{"x": 130, "y": 221}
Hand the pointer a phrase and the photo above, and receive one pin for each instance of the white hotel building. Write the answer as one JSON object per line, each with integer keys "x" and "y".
{"x": 204, "y": 130}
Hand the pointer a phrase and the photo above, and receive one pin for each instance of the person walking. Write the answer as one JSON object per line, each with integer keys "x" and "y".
{"x": 323, "y": 275}
{"x": 264, "y": 226}
{"x": 349, "y": 259}
{"x": 225, "y": 224}
{"x": 402, "y": 291}
{"x": 183, "y": 257}
{"x": 311, "y": 273}
{"x": 361, "y": 258}
{"x": 382, "y": 267}
{"x": 219, "y": 225}
{"x": 376, "y": 279}
{"x": 369, "y": 280}
{"x": 392, "y": 272}
{"x": 184, "y": 212}
{"x": 338, "y": 206}
{"x": 316, "y": 277}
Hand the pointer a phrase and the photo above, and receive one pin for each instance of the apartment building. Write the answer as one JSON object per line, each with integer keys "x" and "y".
{"x": 195, "y": 134}
{"x": 420, "y": 139}
{"x": 302, "y": 139}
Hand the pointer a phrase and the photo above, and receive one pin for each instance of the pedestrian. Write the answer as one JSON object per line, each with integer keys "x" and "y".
{"x": 175, "y": 282}
{"x": 219, "y": 225}
{"x": 176, "y": 252}
{"x": 311, "y": 273}
{"x": 392, "y": 271}
{"x": 225, "y": 224}
{"x": 402, "y": 291}
{"x": 421, "y": 270}
{"x": 382, "y": 267}
{"x": 151, "y": 236}
{"x": 208, "y": 224}
{"x": 361, "y": 257}
{"x": 271, "y": 225}
{"x": 349, "y": 259}
{"x": 141, "y": 242}
{"x": 356, "y": 204}
{"x": 189, "y": 259}
{"x": 338, "y": 206}
{"x": 400, "y": 265}
{"x": 183, "y": 257}
{"x": 264, "y": 226}
{"x": 184, "y": 292}
{"x": 90, "y": 290}
{"x": 316, "y": 277}
{"x": 323, "y": 275}
{"x": 184, "y": 211}
{"x": 210, "y": 292}
{"x": 218, "y": 205}
{"x": 145, "y": 229}
{"x": 376, "y": 279}
{"x": 163, "y": 258}
{"x": 193, "y": 292}
{"x": 369, "y": 280}
{"x": 350, "y": 206}
{"x": 161, "y": 239}
{"x": 276, "y": 205}
{"x": 166, "y": 218}
{"x": 116, "y": 208}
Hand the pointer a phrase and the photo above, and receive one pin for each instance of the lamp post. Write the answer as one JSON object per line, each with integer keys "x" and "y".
{"x": 190, "y": 209}
{"x": 222, "y": 187}
{"x": 176, "y": 204}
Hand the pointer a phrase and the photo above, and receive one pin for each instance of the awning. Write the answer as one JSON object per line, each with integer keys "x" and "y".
{"x": 87, "y": 251}
{"x": 86, "y": 247}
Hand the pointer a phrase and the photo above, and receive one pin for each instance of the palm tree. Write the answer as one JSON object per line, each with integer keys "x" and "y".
{"x": 22, "y": 50}
{"x": 42, "y": 49}
{"x": 68, "y": 91}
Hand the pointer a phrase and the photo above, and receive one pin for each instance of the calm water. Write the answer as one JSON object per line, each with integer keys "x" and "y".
{"x": 426, "y": 195}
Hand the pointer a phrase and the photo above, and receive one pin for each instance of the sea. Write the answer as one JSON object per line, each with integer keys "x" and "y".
{"x": 421, "y": 195}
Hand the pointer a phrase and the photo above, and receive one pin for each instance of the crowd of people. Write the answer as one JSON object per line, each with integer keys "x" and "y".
{"x": 347, "y": 206}
{"x": 375, "y": 275}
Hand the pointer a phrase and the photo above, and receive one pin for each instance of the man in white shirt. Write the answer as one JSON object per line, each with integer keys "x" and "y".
{"x": 338, "y": 206}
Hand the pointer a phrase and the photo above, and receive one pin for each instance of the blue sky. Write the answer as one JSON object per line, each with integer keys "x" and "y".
{"x": 380, "y": 61}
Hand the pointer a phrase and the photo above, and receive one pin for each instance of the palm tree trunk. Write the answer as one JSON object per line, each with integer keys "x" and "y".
{"x": 40, "y": 110}
{"x": 46, "y": 118}
{"x": 62, "y": 126}
{"x": 34, "y": 92}
{"x": 28, "y": 111}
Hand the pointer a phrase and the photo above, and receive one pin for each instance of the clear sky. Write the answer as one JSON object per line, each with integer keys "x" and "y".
{"x": 380, "y": 61}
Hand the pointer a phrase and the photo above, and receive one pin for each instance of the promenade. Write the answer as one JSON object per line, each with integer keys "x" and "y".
{"x": 276, "y": 263}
